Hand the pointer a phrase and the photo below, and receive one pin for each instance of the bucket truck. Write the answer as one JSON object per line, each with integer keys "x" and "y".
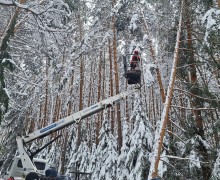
{"x": 25, "y": 165}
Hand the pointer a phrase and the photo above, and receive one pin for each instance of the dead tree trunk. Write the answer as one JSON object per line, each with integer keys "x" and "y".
{"x": 159, "y": 79}
{"x": 160, "y": 133}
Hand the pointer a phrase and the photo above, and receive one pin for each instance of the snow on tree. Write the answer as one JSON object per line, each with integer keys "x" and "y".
{"x": 122, "y": 170}
{"x": 34, "y": 41}
{"x": 140, "y": 143}
{"x": 211, "y": 21}
{"x": 160, "y": 131}
{"x": 147, "y": 73}
{"x": 80, "y": 160}
{"x": 92, "y": 163}
{"x": 49, "y": 41}
{"x": 216, "y": 169}
{"x": 106, "y": 154}
{"x": 133, "y": 24}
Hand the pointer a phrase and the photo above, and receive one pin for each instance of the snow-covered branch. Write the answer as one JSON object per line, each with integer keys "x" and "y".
{"x": 176, "y": 136}
{"x": 33, "y": 8}
{"x": 180, "y": 158}
{"x": 25, "y": 79}
{"x": 188, "y": 108}
{"x": 196, "y": 96}
{"x": 27, "y": 7}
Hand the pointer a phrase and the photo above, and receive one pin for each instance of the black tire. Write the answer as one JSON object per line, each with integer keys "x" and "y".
{"x": 32, "y": 176}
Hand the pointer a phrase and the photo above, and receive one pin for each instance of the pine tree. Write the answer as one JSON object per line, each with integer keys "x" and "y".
{"x": 140, "y": 143}
{"x": 216, "y": 169}
{"x": 122, "y": 170}
{"x": 80, "y": 161}
{"x": 6, "y": 63}
{"x": 106, "y": 154}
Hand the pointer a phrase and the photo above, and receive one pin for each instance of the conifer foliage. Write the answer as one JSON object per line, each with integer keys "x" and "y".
{"x": 140, "y": 144}
{"x": 5, "y": 63}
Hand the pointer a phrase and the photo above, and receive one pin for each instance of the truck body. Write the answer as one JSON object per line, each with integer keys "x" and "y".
{"x": 25, "y": 165}
{"x": 16, "y": 169}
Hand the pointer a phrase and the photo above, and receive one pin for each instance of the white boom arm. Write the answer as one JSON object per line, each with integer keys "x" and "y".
{"x": 76, "y": 117}
{"x": 62, "y": 123}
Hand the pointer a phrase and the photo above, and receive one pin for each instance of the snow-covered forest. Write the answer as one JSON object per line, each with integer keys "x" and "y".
{"x": 58, "y": 57}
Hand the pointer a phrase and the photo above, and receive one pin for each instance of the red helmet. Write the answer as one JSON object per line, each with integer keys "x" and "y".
{"x": 136, "y": 52}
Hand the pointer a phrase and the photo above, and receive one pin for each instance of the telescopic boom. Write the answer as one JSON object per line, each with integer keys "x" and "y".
{"x": 76, "y": 117}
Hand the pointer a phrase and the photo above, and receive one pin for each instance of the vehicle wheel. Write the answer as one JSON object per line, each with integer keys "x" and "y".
{"x": 32, "y": 176}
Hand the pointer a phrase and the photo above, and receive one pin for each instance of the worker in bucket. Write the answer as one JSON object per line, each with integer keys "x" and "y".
{"x": 135, "y": 60}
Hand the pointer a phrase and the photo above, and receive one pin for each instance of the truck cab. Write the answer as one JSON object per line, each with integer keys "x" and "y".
{"x": 16, "y": 169}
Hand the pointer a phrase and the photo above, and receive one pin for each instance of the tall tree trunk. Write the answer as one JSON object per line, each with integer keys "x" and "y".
{"x": 88, "y": 122}
{"x": 98, "y": 123}
{"x": 63, "y": 154}
{"x": 215, "y": 131}
{"x": 78, "y": 142}
{"x": 117, "y": 83}
{"x": 160, "y": 133}
{"x": 127, "y": 106}
{"x": 182, "y": 110}
{"x": 159, "y": 79}
{"x": 112, "y": 119}
{"x": 153, "y": 105}
{"x": 46, "y": 95}
{"x": 103, "y": 75}
{"x": 66, "y": 131}
{"x": 153, "y": 55}
{"x": 80, "y": 101}
{"x": 206, "y": 170}
{"x": 103, "y": 81}
{"x": 4, "y": 40}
